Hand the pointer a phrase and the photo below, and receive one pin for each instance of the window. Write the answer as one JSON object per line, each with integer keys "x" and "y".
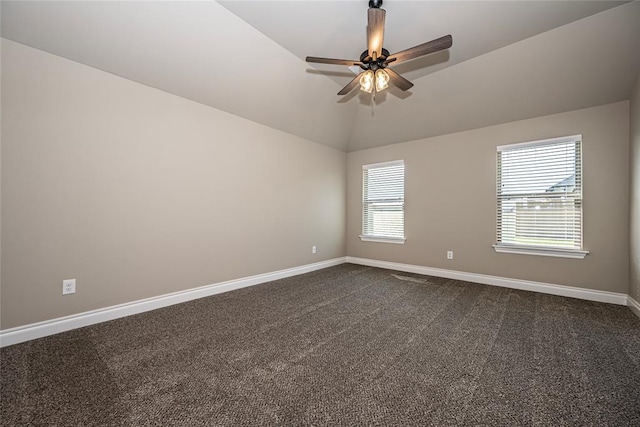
{"x": 539, "y": 196}
{"x": 383, "y": 202}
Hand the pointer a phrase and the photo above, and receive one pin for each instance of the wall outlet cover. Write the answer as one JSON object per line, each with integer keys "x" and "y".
{"x": 68, "y": 286}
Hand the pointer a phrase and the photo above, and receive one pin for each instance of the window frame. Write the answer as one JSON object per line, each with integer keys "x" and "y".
{"x": 382, "y": 238}
{"x": 540, "y": 250}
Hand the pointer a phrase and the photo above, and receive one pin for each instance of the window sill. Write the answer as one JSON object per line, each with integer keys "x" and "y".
{"x": 382, "y": 239}
{"x": 553, "y": 252}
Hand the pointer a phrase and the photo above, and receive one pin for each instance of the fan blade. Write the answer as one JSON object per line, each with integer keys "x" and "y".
{"x": 422, "y": 49}
{"x": 375, "y": 31}
{"x": 348, "y": 88}
{"x": 398, "y": 80}
{"x": 332, "y": 61}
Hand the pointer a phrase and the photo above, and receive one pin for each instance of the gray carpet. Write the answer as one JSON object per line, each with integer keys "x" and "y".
{"x": 348, "y": 345}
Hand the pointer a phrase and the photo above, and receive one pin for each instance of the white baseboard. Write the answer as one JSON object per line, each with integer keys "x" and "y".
{"x": 633, "y": 305}
{"x": 525, "y": 285}
{"x": 61, "y": 324}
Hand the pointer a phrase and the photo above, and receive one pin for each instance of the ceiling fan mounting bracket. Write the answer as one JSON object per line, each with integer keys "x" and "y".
{"x": 375, "y": 4}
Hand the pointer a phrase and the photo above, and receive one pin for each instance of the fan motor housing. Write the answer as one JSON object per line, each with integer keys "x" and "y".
{"x": 370, "y": 64}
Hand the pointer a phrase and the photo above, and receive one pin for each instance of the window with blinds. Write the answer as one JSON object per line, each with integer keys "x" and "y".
{"x": 539, "y": 197}
{"x": 383, "y": 202}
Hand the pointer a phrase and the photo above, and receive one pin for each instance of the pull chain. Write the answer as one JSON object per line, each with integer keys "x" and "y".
{"x": 373, "y": 102}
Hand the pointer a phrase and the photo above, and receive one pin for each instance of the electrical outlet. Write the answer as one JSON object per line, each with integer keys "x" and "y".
{"x": 449, "y": 254}
{"x": 68, "y": 286}
{"x": 314, "y": 249}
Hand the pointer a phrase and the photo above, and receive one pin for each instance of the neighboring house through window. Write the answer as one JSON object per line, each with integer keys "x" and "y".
{"x": 539, "y": 198}
{"x": 383, "y": 202}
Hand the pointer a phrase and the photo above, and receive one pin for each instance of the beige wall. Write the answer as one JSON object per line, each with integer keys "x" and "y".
{"x": 136, "y": 193}
{"x": 634, "y": 258}
{"x": 450, "y": 194}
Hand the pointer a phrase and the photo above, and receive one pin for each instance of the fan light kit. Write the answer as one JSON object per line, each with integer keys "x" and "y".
{"x": 375, "y": 60}
{"x": 368, "y": 77}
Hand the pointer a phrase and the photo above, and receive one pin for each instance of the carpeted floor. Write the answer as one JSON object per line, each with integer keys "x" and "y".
{"x": 348, "y": 345}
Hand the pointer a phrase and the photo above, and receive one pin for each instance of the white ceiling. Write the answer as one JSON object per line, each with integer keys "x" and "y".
{"x": 510, "y": 60}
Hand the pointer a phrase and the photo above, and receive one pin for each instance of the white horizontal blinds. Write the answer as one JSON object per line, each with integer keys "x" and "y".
{"x": 540, "y": 194}
{"x": 383, "y": 199}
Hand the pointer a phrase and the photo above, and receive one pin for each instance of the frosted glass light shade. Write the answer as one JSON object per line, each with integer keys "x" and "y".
{"x": 366, "y": 81}
{"x": 382, "y": 80}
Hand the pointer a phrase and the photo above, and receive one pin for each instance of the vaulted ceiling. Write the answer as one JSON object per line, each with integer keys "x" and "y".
{"x": 510, "y": 60}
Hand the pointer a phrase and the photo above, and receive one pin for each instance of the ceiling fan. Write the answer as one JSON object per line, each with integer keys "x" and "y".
{"x": 376, "y": 59}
